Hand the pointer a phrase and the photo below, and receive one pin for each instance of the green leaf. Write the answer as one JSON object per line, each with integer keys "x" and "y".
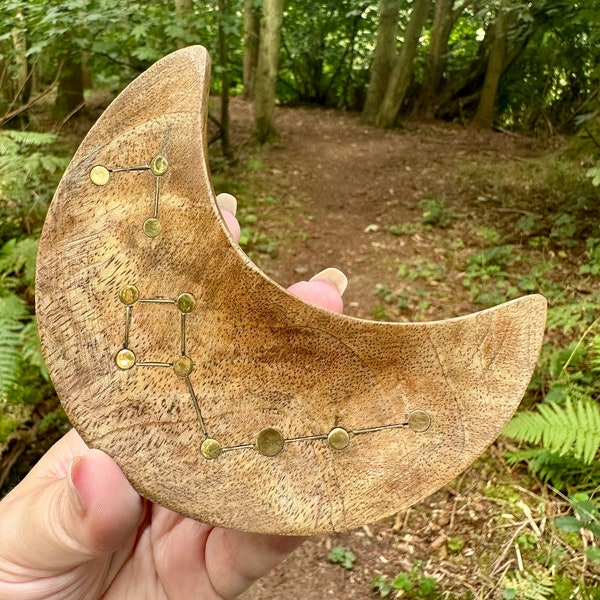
{"x": 570, "y": 429}
{"x": 593, "y": 554}
{"x": 403, "y": 582}
{"x": 382, "y": 585}
{"x": 569, "y": 524}
{"x": 427, "y": 586}
{"x": 342, "y": 556}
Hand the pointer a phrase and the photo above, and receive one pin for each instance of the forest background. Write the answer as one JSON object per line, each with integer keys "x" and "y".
{"x": 521, "y": 79}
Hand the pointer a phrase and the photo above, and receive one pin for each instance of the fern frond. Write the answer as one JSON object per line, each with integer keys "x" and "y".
{"x": 13, "y": 308}
{"x": 19, "y": 256}
{"x": 32, "y": 351}
{"x": 12, "y": 139}
{"x": 12, "y": 312}
{"x": 560, "y": 471}
{"x": 571, "y": 317}
{"x": 531, "y": 585}
{"x": 570, "y": 429}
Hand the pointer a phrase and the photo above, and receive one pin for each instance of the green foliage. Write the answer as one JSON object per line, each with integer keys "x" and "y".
{"x": 528, "y": 585}
{"x": 24, "y": 379}
{"x": 30, "y": 166}
{"x": 594, "y": 174}
{"x": 566, "y": 427}
{"x": 342, "y": 556}
{"x": 421, "y": 268}
{"x": 13, "y": 313}
{"x": 487, "y": 276}
{"x": 592, "y": 266}
{"x": 17, "y": 263}
{"x": 139, "y": 34}
{"x": 555, "y": 64}
{"x": 326, "y": 51}
{"x": 586, "y": 516}
{"x": 414, "y": 585}
{"x": 570, "y": 429}
{"x": 435, "y": 213}
{"x": 456, "y": 544}
{"x": 252, "y": 240}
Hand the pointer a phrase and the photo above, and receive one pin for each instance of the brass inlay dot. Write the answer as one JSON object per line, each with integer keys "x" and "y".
{"x": 129, "y": 295}
{"x": 186, "y": 302}
{"x": 211, "y": 449}
{"x": 269, "y": 441}
{"x": 125, "y": 359}
{"x": 152, "y": 227}
{"x": 99, "y": 175}
{"x": 419, "y": 421}
{"x": 159, "y": 165}
{"x": 338, "y": 438}
{"x": 183, "y": 366}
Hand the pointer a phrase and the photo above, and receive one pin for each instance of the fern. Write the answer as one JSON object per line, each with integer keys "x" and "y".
{"x": 18, "y": 257}
{"x": 563, "y": 472}
{"x": 30, "y": 166}
{"x": 32, "y": 352}
{"x": 13, "y": 311}
{"x": 572, "y": 317}
{"x": 570, "y": 429}
{"x": 529, "y": 585}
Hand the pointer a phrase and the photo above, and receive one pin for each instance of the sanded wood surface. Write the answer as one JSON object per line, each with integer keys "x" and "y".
{"x": 221, "y": 395}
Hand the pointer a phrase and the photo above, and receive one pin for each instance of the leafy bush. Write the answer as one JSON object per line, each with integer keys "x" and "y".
{"x": 31, "y": 164}
{"x": 566, "y": 426}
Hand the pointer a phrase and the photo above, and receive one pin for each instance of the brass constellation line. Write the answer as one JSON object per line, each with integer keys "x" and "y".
{"x": 269, "y": 441}
{"x": 100, "y": 175}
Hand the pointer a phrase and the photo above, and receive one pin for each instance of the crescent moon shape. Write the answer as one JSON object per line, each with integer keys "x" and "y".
{"x": 221, "y": 395}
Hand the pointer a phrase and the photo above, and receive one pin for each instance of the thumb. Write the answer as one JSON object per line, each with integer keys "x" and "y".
{"x": 324, "y": 289}
{"x": 74, "y": 506}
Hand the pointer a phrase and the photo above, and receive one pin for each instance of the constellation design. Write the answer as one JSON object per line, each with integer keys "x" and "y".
{"x": 269, "y": 441}
{"x": 159, "y": 165}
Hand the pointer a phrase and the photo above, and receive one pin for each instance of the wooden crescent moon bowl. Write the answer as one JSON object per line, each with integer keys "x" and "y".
{"x": 221, "y": 395}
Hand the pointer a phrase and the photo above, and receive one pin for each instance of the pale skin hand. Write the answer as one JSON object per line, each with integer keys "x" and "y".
{"x": 75, "y": 529}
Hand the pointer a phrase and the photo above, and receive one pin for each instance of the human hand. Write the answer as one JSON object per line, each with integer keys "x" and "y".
{"x": 74, "y": 528}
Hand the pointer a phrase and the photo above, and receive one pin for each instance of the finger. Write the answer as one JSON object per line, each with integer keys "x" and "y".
{"x": 74, "y": 506}
{"x": 228, "y": 206}
{"x": 236, "y": 559}
{"x": 325, "y": 290}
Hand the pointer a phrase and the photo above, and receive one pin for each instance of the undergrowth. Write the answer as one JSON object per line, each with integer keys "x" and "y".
{"x": 546, "y": 240}
{"x": 30, "y": 166}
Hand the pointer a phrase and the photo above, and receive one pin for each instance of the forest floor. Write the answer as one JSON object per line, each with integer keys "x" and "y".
{"x": 402, "y": 212}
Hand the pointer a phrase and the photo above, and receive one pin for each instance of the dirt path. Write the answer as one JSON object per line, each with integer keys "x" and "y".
{"x": 339, "y": 186}
{"x": 334, "y": 192}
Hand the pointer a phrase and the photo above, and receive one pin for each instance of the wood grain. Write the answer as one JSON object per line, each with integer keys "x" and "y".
{"x": 261, "y": 357}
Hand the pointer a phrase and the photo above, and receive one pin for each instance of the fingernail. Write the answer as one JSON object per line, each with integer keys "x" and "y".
{"x": 74, "y": 494}
{"x": 333, "y": 276}
{"x": 227, "y": 202}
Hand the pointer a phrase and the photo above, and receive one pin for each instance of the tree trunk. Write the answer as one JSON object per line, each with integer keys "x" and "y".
{"x": 443, "y": 21}
{"x": 183, "y": 10}
{"x": 20, "y": 47}
{"x": 15, "y": 91}
{"x": 403, "y": 69}
{"x": 484, "y": 115}
{"x": 223, "y": 62}
{"x": 69, "y": 94}
{"x": 251, "y": 38}
{"x": 384, "y": 58}
{"x": 266, "y": 70}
